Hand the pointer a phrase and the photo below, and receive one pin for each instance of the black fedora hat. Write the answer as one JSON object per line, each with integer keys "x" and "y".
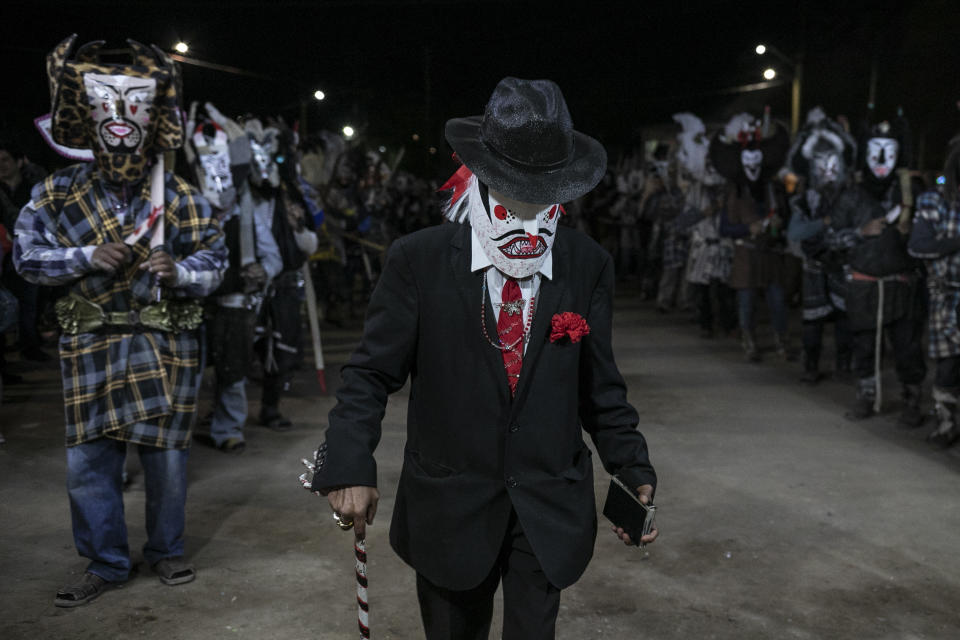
{"x": 524, "y": 145}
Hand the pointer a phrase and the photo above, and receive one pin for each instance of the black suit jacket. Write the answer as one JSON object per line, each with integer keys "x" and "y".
{"x": 472, "y": 453}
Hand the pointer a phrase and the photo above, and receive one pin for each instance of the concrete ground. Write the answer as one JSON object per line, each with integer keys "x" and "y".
{"x": 778, "y": 518}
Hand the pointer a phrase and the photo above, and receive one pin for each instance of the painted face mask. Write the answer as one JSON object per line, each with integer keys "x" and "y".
{"x": 882, "y": 156}
{"x": 752, "y": 161}
{"x": 120, "y": 107}
{"x": 263, "y": 146}
{"x": 125, "y": 112}
{"x": 213, "y": 155}
{"x": 515, "y": 236}
{"x": 827, "y": 168}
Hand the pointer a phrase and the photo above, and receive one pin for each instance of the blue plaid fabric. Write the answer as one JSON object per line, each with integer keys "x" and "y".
{"x": 943, "y": 277}
{"x": 139, "y": 386}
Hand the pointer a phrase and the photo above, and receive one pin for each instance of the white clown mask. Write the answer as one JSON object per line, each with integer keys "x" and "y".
{"x": 882, "y": 156}
{"x": 120, "y": 107}
{"x": 516, "y": 236}
{"x": 752, "y": 161}
{"x": 214, "y": 155}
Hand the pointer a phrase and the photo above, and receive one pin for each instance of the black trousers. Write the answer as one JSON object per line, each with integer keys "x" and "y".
{"x": 813, "y": 339}
{"x": 905, "y": 334}
{"x": 948, "y": 373}
{"x": 716, "y": 295}
{"x": 530, "y": 602}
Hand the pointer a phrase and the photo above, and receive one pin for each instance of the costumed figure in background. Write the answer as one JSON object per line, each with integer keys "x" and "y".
{"x": 137, "y": 246}
{"x": 503, "y": 326}
{"x": 317, "y": 161}
{"x": 219, "y": 151}
{"x": 17, "y": 177}
{"x": 749, "y": 152}
{"x": 884, "y": 286}
{"x": 671, "y": 229}
{"x": 935, "y": 238}
{"x": 628, "y": 244}
{"x": 824, "y": 155}
{"x": 280, "y": 200}
{"x": 661, "y": 207}
{"x": 708, "y": 267}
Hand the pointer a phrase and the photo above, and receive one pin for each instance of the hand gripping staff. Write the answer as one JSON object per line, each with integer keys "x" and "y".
{"x": 359, "y": 547}
{"x": 155, "y": 220}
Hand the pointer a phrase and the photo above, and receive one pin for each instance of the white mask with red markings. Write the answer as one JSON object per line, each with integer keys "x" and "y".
{"x": 515, "y": 236}
{"x": 120, "y": 107}
{"x": 882, "y": 156}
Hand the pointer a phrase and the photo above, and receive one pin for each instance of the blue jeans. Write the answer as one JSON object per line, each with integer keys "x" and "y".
{"x": 95, "y": 487}
{"x": 775, "y": 302}
{"x": 230, "y": 412}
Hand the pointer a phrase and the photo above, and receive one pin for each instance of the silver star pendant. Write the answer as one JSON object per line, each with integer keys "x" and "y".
{"x": 513, "y": 307}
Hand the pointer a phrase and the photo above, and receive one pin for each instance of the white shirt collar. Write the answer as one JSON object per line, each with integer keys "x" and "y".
{"x": 479, "y": 259}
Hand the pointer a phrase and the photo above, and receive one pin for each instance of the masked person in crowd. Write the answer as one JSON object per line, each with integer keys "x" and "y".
{"x": 17, "y": 177}
{"x": 935, "y": 238}
{"x": 749, "y": 153}
{"x": 280, "y": 200}
{"x": 824, "y": 156}
{"x": 884, "y": 289}
{"x": 504, "y": 327}
{"x": 665, "y": 207}
{"x": 708, "y": 267}
{"x": 219, "y": 151}
{"x": 137, "y": 247}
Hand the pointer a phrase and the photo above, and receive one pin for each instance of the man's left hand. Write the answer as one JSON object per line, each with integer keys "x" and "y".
{"x": 645, "y": 491}
{"x": 162, "y": 265}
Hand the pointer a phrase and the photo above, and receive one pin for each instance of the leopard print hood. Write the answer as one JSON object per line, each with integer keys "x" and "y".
{"x": 71, "y": 107}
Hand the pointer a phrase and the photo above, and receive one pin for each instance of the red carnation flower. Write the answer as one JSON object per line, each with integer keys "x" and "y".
{"x": 568, "y": 325}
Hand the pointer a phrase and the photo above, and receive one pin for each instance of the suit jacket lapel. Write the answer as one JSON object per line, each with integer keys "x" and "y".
{"x": 548, "y": 302}
{"x": 470, "y": 287}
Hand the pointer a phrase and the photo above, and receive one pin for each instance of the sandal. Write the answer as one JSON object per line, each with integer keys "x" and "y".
{"x": 174, "y": 571}
{"x": 87, "y": 589}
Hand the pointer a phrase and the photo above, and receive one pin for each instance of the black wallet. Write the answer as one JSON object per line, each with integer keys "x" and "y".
{"x": 624, "y": 509}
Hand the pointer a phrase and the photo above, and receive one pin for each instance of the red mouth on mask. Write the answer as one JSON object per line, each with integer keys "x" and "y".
{"x": 524, "y": 248}
{"x": 119, "y": 129}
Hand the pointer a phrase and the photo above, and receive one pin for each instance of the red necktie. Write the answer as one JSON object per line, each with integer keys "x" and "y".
{"x": 510, "y": 330}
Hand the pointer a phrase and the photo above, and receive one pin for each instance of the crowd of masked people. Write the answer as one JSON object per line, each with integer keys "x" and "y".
{"x": 722, "y": 224}
{"x": 835, "y": 221}
{"x": 282, "y": 202}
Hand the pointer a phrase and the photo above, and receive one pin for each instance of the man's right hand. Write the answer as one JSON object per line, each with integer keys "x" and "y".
{"x": 355, "y": 504}
{"x": 111, "y": 256}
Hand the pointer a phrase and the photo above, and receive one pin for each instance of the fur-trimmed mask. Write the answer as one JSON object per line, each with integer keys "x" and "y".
{"x": 823, "y": 152}
{"x": 124, "y": 112}
{"x": 264, "y": 145}
{"x": 747, "y": 151}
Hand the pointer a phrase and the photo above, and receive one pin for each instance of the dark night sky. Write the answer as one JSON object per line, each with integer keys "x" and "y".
{"x": 401, "y": 67}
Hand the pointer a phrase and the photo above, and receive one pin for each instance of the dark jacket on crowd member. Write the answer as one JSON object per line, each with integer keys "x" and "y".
{"x": 473, "y": 455}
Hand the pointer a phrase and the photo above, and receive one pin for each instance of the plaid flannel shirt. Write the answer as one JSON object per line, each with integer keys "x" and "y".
{"x": 943, "y": 275}
{"x": 136, "y": 385}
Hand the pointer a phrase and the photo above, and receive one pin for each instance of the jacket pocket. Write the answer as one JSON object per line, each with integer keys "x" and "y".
{"x": 429, "y": 468}
{"x": 582, "y": 466}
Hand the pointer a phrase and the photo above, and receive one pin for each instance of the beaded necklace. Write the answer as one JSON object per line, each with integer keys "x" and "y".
{"x": 525, "y": 337}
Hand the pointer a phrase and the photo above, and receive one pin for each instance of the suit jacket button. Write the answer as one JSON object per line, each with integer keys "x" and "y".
{"x": 514, "y": 428}
{"x": 512, "y": 482}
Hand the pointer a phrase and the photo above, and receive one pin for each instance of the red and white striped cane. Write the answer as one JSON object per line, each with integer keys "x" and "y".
{"x": 363, "y": 609}
{"x": 359, "y": 546}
